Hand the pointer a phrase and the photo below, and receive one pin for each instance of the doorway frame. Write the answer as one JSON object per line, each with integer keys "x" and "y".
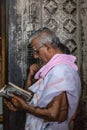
{"x": 4, "y": 61}
{"x": 3, "y": 42}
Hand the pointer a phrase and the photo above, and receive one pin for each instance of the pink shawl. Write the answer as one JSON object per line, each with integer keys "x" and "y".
{"x": 55, "y": 60}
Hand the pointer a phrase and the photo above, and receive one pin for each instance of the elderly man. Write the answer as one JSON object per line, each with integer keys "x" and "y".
{"x": 57, "y": 87}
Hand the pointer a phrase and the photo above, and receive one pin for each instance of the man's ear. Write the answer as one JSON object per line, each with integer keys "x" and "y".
{"x": 48, "y": 46}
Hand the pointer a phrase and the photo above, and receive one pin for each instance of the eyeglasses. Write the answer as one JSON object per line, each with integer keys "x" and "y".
{"x": 36, "y": 51}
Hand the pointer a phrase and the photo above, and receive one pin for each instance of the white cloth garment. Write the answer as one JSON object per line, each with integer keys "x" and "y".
{"x": 61, "y": 77}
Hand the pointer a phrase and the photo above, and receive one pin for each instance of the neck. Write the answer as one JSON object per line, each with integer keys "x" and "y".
{"x": 57, "y": 51}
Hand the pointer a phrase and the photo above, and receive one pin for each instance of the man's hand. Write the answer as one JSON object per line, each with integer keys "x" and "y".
{"x": 19, "y": 103}
{"x": 10, "y": 105}
{"x": 30, "y": 79}
{"x": 16, "y": 103}
{"x": 34, "y": 68}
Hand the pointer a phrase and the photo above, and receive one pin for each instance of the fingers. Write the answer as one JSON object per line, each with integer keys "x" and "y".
{"x": 33, "y": 69}
{"x": 10, "y": 105}
{"x": 18, "y": 100}
{"x": 15, "y": 99}
{"x": 16, "y": 103}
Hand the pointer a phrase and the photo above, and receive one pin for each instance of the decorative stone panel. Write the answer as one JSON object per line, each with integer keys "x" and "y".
{"x": 62, "y": 17}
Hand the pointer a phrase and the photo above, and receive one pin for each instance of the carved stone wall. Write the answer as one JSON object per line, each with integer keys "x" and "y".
{"x": 66, "y": 17}
{"x": 27, "y": 15}
{"x": 63, "y": 17}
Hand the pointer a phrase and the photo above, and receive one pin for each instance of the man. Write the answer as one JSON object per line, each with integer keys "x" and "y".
{"x": 57, "y": 86}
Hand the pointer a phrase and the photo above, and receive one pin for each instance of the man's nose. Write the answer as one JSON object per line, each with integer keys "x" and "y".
{"x": 36, "y": 56}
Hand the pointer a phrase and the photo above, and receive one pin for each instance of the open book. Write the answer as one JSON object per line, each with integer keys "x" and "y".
{"x": 10, "y": 89}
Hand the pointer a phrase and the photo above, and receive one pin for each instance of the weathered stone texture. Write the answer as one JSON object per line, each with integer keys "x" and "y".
{"x": 68, "y": 18}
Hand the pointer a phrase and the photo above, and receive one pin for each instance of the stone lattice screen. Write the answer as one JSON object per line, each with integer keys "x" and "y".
{"x": 66, "y": 17}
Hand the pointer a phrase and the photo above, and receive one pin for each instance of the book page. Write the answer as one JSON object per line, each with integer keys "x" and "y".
{"x": 11, "y": 89}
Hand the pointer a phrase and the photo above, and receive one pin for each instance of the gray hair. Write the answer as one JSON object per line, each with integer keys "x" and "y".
{"x": 46, "y": 36}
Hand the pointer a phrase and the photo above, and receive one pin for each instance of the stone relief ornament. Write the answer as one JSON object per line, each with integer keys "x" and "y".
{"x": 69, "y": 26}
{"x": 69, "y": 6}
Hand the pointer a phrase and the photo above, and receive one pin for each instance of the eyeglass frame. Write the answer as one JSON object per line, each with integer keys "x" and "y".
{"x": 36, "y": 51}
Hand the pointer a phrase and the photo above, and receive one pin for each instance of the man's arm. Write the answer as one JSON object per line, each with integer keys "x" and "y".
{"x": 56, "y": 110}
{"x": 30, "y": 80}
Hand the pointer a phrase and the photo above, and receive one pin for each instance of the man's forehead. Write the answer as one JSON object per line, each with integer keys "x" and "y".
{"x": 38, "y": 38}
{"x": 35, "y": 42}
